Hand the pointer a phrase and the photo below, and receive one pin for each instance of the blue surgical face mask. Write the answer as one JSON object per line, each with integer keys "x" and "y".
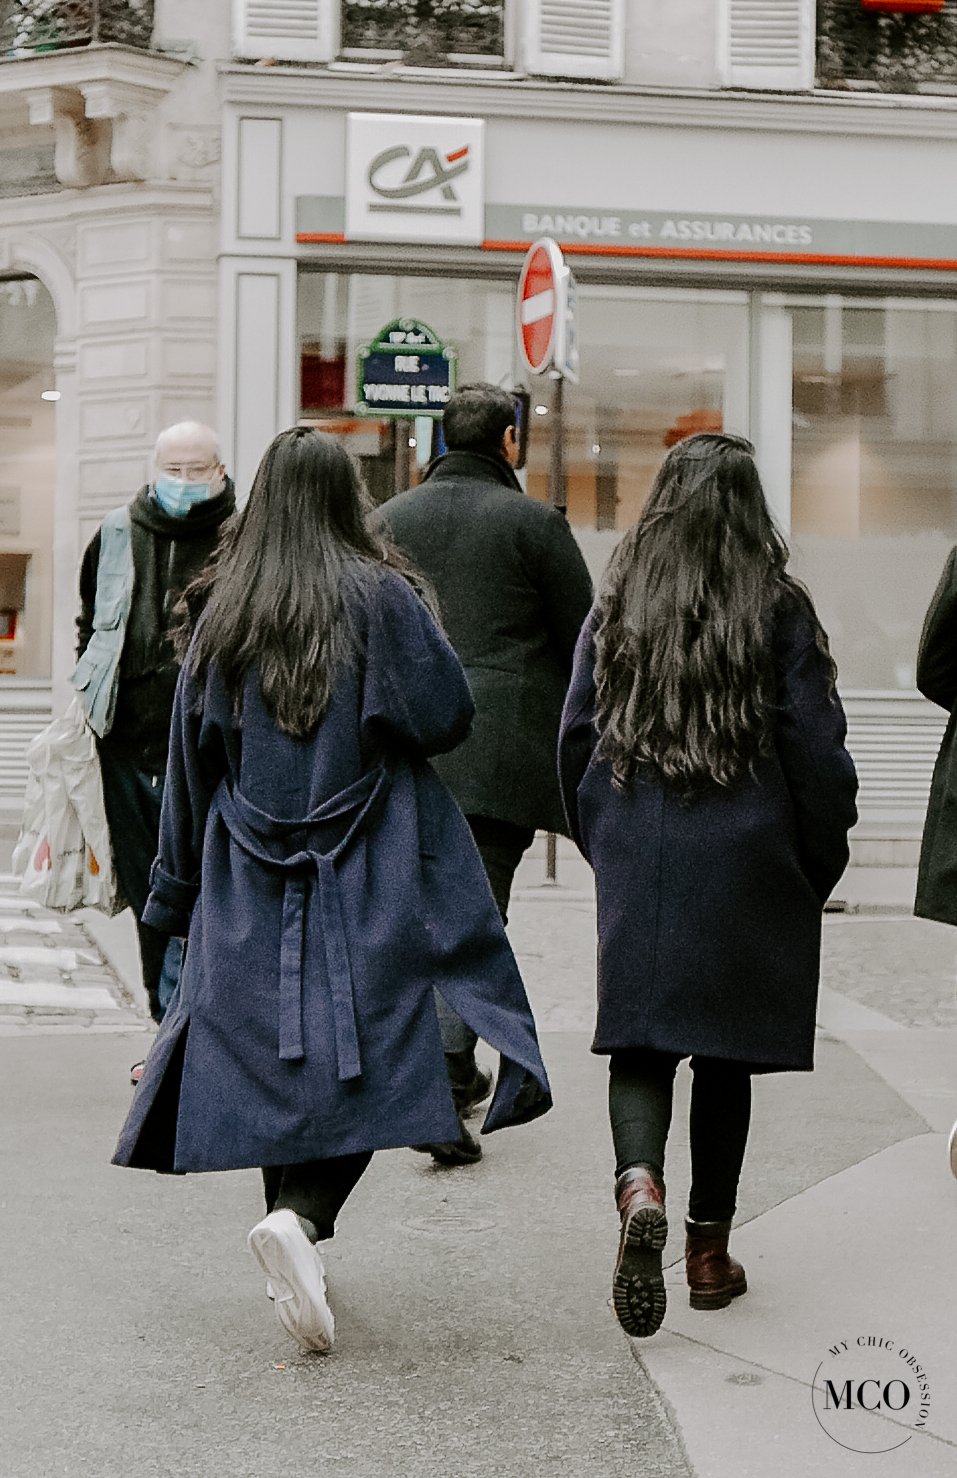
{"x": 176, "y": 497}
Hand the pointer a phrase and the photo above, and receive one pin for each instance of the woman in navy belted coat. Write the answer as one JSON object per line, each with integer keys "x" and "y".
{"x": 705, "y": 778}
{"x": 325, "y": 880}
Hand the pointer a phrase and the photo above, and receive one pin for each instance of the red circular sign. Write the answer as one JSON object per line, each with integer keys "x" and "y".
{"x": 537, "y": 306}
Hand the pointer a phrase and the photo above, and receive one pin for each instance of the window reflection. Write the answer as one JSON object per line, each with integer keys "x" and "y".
{"x": 656, "y": 366}
{"x": 874, "y": 475}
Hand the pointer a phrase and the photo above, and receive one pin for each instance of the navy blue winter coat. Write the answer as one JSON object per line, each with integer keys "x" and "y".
{"x": 709, "y": 911}
{"x": 326, "y": 885}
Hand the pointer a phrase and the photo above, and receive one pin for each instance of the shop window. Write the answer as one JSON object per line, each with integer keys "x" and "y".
{"x": 655, "y": 366}
{"x": 874, "y": 475}
{"x": 27, "y": 411}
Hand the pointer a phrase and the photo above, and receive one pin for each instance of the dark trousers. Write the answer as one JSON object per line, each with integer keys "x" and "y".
{"x": 316, "y": 1189}
{"x": 640, "y": 1092}
{"x": 501, "y": 847}
{"x": 132, "y": 800}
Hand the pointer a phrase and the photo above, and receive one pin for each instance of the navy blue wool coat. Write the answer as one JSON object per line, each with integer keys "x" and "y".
{"x": 326, "y": 886}
{"x": 709, "y": 911}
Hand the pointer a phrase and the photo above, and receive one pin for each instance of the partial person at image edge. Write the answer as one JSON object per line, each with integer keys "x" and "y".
{"x": 936, "y": 895}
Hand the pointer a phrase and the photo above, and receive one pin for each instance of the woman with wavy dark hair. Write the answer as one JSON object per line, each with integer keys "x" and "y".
{"x": 325, "y": 879}
{"x": 706, "y": 780}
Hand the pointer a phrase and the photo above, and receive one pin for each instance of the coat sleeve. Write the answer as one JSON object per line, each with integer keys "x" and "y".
{"x": 576, "y": 737}
{"x": 192, "y": 774}
{"x": 819, "y": 772}
{"x": 416, "y": 696}
{"x": 564, "y": 584}
{"x": 937, "y": 653}
{"x": 88, "y": 572}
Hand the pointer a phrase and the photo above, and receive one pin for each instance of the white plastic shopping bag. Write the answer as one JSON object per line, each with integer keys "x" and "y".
{"x": 63, "y": 857}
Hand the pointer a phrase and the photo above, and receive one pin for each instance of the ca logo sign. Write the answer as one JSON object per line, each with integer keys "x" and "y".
{"x": 427, "y": 172}
{"x": 870, "y": 1394}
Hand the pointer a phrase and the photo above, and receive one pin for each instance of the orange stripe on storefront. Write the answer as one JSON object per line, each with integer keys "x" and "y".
{"x": 691, "y": 254}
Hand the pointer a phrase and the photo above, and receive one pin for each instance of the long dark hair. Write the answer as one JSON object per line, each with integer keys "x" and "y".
{"x": 684, "y": 675}
{"x": 274, "y": 597}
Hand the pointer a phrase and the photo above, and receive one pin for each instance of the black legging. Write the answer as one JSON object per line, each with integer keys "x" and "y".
{"x": 316, "y": 1189}
{"x": 640, "y": 1090}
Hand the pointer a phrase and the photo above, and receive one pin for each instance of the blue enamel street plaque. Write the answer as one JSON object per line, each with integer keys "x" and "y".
{"x": 405, "y": 371}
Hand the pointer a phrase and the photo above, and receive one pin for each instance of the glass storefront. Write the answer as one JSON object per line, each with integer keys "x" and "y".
{"x": 871, "y": 426}
{"x": 27, "y": 411}
{"x": 874, "y": 473}
{"x": 655, "y": 364}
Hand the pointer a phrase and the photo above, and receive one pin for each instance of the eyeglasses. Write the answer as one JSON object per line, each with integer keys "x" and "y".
{"x": 188, "y": 472}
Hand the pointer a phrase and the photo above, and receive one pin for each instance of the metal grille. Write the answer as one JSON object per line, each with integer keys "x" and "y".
{"x": 24, "y": 710}
{"x": 894, "y": 744}
{"x": 428, "y": 29}
{"x": 30, "y": 26}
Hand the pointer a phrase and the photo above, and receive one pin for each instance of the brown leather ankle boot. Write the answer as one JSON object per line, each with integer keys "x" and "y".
{"x": 714, "y": 1278}
{"x": 638, "y": 1286}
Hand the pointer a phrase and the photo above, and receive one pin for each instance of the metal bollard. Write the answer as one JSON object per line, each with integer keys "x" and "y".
{"x": 551, "y": 857}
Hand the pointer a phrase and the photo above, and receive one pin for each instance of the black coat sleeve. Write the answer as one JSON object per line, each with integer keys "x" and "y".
{"x": 577, "y": 735}
{"x": 564, "y": 584}
{"x": 819, "y": 772}
{"x": 937, "y": 653}
{"x": 88, "y": 571}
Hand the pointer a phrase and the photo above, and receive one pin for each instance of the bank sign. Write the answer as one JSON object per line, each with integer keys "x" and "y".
{"x": 405, "y": 371}
{"x": 415, "y": 179}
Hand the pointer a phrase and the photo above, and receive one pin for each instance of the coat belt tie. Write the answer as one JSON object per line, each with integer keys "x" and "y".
{"x": 268, "y": 840}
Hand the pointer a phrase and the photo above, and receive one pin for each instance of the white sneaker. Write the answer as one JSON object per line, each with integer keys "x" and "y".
{"x": 296, "y": 1277}
{"x": 952, "y": 1148}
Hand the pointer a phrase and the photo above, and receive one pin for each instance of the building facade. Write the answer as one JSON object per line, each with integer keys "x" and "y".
{"x": 748, "y": 194}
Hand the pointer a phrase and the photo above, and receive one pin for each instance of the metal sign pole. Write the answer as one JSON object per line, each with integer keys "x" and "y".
{"x": 548, "y": 338}
{"x": 402, "y": 460}
{"x": 558, "y": 498}
{"x": 556, "y": 479}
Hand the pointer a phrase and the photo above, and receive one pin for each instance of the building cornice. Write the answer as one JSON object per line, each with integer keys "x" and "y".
{"x": 495, "y": 96}
{"x": 121, "y": 66}
{"x": 37, "y": 211}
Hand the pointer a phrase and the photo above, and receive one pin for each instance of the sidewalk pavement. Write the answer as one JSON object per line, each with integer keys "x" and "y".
{"x": 862, "y": 1244}
{"x": 475, "y": 1337}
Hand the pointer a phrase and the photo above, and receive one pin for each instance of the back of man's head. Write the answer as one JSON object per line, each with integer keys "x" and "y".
{"x": 477, "y": 418}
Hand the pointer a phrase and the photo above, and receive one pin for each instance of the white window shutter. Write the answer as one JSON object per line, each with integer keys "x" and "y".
{"x": 575, "y": 38}
{"x": 767, "y": 44}
{"x": 288, "y": 30}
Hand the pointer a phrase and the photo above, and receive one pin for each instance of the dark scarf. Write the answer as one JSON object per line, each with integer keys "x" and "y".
{"x": 168, "y": 553}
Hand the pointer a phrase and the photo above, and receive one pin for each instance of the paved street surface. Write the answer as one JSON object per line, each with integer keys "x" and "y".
{"x": 474, "y": 1336}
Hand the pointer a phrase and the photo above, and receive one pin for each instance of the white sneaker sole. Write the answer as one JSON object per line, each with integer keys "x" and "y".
{"x": 296, "y": 1279}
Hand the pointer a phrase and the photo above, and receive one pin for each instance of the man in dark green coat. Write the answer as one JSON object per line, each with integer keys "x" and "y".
{"x": 513, "y": 593}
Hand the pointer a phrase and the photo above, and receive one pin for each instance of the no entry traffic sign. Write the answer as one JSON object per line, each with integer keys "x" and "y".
{"x": 538, "y": 304}
{"x": 545, "y": 311}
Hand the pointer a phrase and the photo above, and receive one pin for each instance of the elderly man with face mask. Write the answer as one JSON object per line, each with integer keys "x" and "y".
{"x": 172, "y": 528}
